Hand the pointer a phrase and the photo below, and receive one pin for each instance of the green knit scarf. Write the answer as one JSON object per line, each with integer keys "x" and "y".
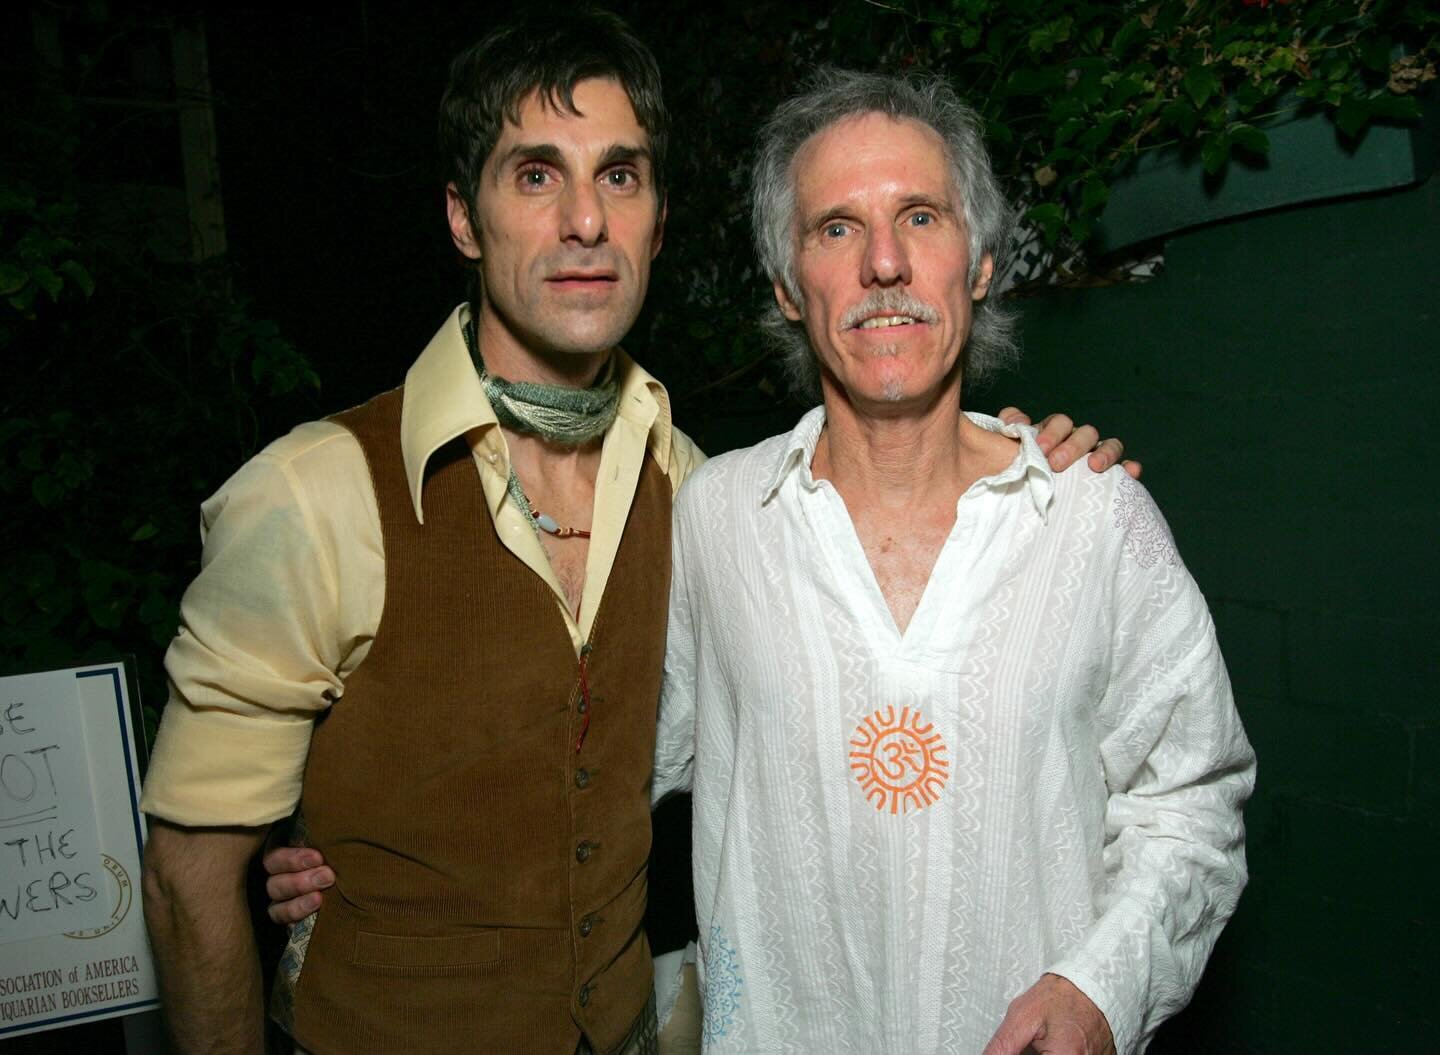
{"x": 565, "y": 416}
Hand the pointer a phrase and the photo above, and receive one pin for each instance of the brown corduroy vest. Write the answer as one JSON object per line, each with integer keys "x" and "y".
{"x": 490, "y": 876}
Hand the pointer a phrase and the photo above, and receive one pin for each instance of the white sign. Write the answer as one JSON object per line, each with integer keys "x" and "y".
{"x": 49, "y": 859}
{"x": 72, "y": 936}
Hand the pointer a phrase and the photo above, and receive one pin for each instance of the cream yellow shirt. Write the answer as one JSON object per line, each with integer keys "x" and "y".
{"x": 292, "y": 580}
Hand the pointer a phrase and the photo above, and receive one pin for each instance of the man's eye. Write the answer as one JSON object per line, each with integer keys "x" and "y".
{"x": 534, "y": 177}
{"x": 835, "y": 230}
{"x": 621, "y": 178}
{"x": 922, "y": 219}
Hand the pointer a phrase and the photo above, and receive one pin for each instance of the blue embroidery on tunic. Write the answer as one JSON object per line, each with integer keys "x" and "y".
{"x": 723, "y": 986}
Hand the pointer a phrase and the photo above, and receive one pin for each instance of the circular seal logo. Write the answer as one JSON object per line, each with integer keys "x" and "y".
{"x": 899, "y": 762}
{"x": 124, "y": 894}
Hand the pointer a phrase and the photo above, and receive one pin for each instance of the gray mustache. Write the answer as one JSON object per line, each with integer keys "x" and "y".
{"x": 888, "y": 302}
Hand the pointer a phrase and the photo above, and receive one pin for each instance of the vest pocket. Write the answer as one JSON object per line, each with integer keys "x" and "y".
{"x": 400, "y": 950}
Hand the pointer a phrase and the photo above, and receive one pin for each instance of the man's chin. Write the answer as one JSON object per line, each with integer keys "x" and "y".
{"x": 570, "y": 344}
{"x": 572, "y": 332}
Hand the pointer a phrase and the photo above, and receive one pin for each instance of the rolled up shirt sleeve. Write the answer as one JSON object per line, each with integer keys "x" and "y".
{"x": 287, "y": 601}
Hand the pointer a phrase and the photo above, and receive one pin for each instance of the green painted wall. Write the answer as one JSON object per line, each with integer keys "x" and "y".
{"x": 1280, "y": 381}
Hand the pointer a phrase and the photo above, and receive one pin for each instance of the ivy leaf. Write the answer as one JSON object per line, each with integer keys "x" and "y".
{"x": 1248, "y": 96}
{"x": 1099, "y": 133}
{"x": 1049, "y": 217}
{"x": 157, "y": 609}
{"x": 1180, "y": 116}
{"x": 1281, "y": 60}
{"x": 77, "y": 274}
{"x": 1250, "y": 140}
{"x": 1045, "y": 39}
{"x": 1215, "y": 151}
{"x": 1125, "y": 89}
{"x": 1395, "y": 107}
{"x": 1095, "y": 194}
{"x": 47, "y": 280}
{"x": 22, "y": 300}
{"x": 1201, "y": 83}
{"x": 144, "y": 531}
{"x": 46, "y": 490}
{"x": 1352, "y": 115}
{"x": 11, "y": 278}
{"x": 1067, "y": 108}
{"x": 1089, "y": 87}
{"x": 1068, "y": 129}
{"x": 1125, "y": 36}
{"x": 1375, "y": 52}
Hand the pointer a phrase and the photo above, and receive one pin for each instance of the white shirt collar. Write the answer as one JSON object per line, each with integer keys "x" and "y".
{"x": 798, "y": 452}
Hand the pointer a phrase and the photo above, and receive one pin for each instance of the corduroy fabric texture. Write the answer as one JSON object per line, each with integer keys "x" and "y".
{"x": 490, "y": 877}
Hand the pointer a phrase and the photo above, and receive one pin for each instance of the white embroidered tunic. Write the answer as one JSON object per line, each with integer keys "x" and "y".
{"x": 896, "y": 835}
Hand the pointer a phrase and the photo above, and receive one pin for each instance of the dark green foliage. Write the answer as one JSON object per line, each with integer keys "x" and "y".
{"x": 135, "y": 386}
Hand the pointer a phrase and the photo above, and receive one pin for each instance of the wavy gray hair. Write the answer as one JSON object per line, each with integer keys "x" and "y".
{"x": 829, "y": 97}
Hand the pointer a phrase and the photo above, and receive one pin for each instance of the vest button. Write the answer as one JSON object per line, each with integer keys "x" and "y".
{"x": 582, "y": 778}
{"x": 582, "y": 852}
{"x": 586, "y": 926}
{"x": 582, "y": 706}
{"x": 584, "y": 995}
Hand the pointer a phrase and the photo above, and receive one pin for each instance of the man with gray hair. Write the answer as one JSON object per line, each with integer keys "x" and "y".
{"x": 967, "y": 772}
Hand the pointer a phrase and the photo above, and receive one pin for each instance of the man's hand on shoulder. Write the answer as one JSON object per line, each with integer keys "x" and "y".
{"x": 1054, "y": 1017}
{"x": 297, "y": 875}
{"x": 1062, "y": 442}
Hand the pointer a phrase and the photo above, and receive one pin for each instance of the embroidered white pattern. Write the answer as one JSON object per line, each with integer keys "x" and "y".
{"x": 1147, "y": 536}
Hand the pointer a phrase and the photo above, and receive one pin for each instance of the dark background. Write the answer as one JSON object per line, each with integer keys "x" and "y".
{"x": 1276, "y": 378}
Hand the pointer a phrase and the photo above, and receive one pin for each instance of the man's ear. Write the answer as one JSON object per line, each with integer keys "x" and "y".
{"x": 982, "y": 280}
{"x": 788, "y": 307}
{"x": 462, "y": 231}
{"x": 658, "y": 238}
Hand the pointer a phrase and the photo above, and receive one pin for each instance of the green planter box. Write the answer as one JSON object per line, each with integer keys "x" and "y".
{"x": 1168, "y": 191}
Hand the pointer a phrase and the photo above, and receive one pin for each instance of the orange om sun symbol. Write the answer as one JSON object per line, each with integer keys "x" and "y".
{"x": 899, "y": 761}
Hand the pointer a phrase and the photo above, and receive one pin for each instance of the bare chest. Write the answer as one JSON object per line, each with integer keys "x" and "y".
{"x": 902, "y": 557}
{"x": 568, "y": 557}
{"x": 568, "y": 511}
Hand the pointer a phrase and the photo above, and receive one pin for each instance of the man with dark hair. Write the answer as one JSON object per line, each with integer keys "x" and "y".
{"x": 435, "y": 622}
{"x": 424, "y": 575}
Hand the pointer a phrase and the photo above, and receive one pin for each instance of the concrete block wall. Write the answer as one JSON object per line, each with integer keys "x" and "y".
{"x": 1279, "y": 382}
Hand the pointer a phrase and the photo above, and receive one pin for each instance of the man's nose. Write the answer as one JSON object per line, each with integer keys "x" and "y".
{"x": 886, "y": 262}
{"x": 582, "y": 215}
